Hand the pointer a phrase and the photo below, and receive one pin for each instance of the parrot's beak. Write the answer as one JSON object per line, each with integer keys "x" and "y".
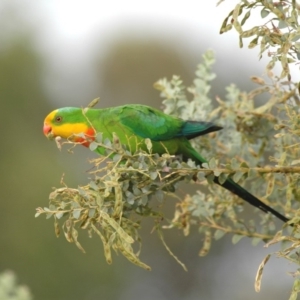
{"x": 47, "y": 129}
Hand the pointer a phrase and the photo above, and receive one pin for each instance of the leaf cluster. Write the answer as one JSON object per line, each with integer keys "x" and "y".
{"x": 278, "y": 35}
{"x": 11, "y": 290}
{"x": 256, "y": 128}
{"x": 117, "y": 198}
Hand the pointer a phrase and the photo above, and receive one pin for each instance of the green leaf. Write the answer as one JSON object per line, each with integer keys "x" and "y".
{"x": 253, "y": 43}
{"x": 129, "y": 197}
{"x": 136, "y": 191}
{"x": 217, "y": 173}
{"x": 201, "y": 176}
{"x": 224, "y": 24}
{"x": 237, "y": 11}
{"x": 244, "y": 165}
{"x": 82, "y": 193}
{"x": 236, "y": 238}
{"x": 252, "y": 173}
{"x": 205, "y": 166}
{"x": 52, "y": 207}
{"x": 241, "y": 41}
{"x": 117, "y": 157}
{"x": 99, "y": 137}
{"x": 191, "y": 164}
{"x": 107, "y": 143}
{"x": 295, "y": 290}
{"x": 222, "y": 178}
{"x": 93, "y": 103}
{"x": 48, "y": 216}
{"x": 210, "y": 178}
{"x": 264, "y": 13}
{"x": 148, "y": 144}
{"x": 144, "y": 200}
{"x": 76, "y": 213}
{"x": 92, "y": 212}
{"x": 159, "y": 195}
{"x": 136, "y": 165}
{"x": 212, "y": 163}
{"x": 255, "y": 241}
{"x": 226, "y": 28}
{"x": 282, "y": 24}
{"x": 246, "y": 17}
{"x": 219, "y": 234}
{"x": 153, "y": 175}
{"x": 93, "y": 186}
{"x": 93, "y": 146}
{"x": 234, "y": 163}
{"x": 250, "y": 32}
{"x": 76, "y": 204}
{"x": 237, "y": 176}
{"x": 58, "y": 215}
{"x": 296, "y": 38}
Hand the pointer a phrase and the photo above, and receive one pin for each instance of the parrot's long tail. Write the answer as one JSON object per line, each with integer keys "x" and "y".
{"x": 235, "y": 188}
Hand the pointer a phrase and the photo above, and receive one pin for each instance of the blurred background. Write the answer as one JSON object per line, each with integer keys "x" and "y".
{"x": 66, "y": 53}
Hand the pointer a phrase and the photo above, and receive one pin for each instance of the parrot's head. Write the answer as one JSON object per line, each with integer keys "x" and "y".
{"x": 69, "y": 123}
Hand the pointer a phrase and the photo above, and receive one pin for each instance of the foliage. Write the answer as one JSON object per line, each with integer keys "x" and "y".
{"x": 126, "y": 187}
{"x": 120, "y": 194}
{"x": 9, "y": 290}
{"x": 278, "y": 35}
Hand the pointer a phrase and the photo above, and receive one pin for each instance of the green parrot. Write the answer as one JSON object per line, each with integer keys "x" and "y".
{"x": 132, "y": 124}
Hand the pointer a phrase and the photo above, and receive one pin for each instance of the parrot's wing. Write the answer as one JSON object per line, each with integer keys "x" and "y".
{"x": 147, "y": 122}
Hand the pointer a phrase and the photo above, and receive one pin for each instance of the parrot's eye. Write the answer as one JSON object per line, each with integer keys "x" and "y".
{"x": 58, "y": 119}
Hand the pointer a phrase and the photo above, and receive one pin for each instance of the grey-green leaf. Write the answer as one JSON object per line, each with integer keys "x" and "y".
{"x": 219, "y": 234}
{"x": 264, "y": 13}
{"x": 93, "y": 146}
{"x": 236, "y": 238}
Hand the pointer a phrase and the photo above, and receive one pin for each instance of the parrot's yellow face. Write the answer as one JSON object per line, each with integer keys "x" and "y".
{"x": 60, "y": 124}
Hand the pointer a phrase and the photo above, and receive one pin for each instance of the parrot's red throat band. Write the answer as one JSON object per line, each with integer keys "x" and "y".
{"x": 89, "y": 136}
